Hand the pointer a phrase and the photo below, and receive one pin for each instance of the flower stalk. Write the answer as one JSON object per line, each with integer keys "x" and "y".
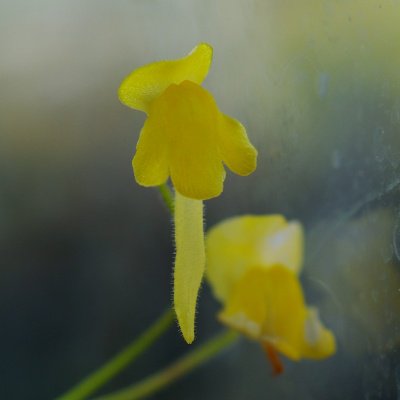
{"x": 176, "y": 370}
{"x": 167, "y": 197}
{"x": 109, "y": 370}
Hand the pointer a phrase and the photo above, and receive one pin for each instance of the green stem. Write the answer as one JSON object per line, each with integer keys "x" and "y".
{"x": 121, "y": 360}
{"x": 168, "y": 197}
{"x": 174, "y": 371}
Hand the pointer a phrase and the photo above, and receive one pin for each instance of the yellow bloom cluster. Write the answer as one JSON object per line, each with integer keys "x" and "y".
{"x": 253, "y": 263}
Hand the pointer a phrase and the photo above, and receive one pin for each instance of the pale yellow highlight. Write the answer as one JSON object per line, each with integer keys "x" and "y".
{"x": 239, "y": 243}
{"x": 319, "y": 342}
{"x": 189, "y": 261}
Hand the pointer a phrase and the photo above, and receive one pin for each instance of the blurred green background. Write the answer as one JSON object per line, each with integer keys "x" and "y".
{"x": 86, "y": 254}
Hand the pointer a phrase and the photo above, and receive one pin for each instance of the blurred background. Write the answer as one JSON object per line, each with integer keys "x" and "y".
{"x": 86, "y": 254}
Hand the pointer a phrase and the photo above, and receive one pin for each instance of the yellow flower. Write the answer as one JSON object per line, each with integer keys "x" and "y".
{"x": 253, "y": 264}
{"x": 185, "y": 137}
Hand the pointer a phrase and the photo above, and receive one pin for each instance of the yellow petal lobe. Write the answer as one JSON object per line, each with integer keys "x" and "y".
{"x": 268, "y": 304}
{"x": 189, "y": 261}
{"x": 237, "y": 152}
{"x": 237, "y": 244}
{"x": 150, "y": 163}
{"x": 142, "y": 86}
{"x": 319, "y": 342}
{"x": 188, "y": 119}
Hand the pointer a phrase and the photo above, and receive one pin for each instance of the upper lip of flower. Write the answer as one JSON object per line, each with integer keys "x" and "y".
{"x": 146, "y": 83}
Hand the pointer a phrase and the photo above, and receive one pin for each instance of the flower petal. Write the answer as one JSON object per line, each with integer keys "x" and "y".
{"x": 189, "y": 117}
{"x": 189, "y": 261}
{"x": 319, "y": 342}
{"x": 150, "y": 163}
{"x": 285, "y": 247}
{"x": 268, "y": 305}
{"x": 240, "y": 243}
{"x": 146, "y": 83}
{"x": 237, "y": 152}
